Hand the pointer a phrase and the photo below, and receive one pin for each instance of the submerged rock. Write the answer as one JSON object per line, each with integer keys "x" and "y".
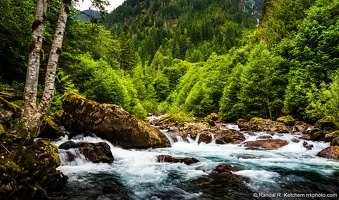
{"x": 225, "y": 169}
{"x": 171, "y": 159}
{"x": 308, "y": 146}
{"x": 330, "y": 152}
{"x": 110, "y": 122}
{"x": 67, "y": 145}
{"x": 265, "y": 144}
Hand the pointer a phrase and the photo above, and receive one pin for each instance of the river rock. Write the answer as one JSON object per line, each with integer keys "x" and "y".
{"x": 265, "y": 144}
{"x": 96, "y": 152}
{"x": 330, "y": 152}
{"x": 335, "y": 141}
{"x": 225, "y": 169}
{"x": 110, "y": 122}
{"x": 171, "y": 159}
{"x": 260, "y": 124}
{"x": 68, "y": 145}
{"x": 228, "y": 137}
{"x": 307, "y": 146}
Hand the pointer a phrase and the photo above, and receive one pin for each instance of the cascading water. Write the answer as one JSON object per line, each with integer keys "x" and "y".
{"x": 135, "y": 174}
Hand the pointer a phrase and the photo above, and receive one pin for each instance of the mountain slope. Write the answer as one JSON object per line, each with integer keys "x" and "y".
{"x": 182, "y": 26}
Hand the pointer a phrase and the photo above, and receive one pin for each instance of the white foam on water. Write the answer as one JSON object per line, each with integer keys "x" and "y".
{"x": 139, "y": 171}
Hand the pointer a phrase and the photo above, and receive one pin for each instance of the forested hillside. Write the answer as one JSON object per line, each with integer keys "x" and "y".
{"x": 189, "y": 30}
{"x": 192, "y": 58}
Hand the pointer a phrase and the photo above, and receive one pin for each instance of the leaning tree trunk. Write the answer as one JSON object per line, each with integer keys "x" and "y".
{"x": 32, "y": 116}
{"x": 31, "y": 86}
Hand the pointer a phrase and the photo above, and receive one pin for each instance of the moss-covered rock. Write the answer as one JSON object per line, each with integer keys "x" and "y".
{"x": 330, "y": 136}
{"x": 287, "y": 120}
{"x": 327, "y": 123}
{"x": 28, "y": 172}
{"x": 110, "y": 122}
{"x": 49, "y": 129}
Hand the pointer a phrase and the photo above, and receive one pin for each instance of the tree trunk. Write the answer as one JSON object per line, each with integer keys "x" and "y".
{"x": 54, "y": 58}
{"x": 31, "y": 86}
{"x": 32, "y": 116}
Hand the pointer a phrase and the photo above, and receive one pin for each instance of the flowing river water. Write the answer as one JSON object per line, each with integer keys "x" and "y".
{"x": 289, "y": 172}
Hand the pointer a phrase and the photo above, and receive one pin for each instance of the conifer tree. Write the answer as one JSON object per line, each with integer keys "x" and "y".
{"x": 127, "y": 54}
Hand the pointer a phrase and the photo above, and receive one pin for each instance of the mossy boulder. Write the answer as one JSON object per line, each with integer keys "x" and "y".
{"x": 110, "y": 122}
{"x": 212, "y": 118}
{"x": 327, "y": 123}
{"x": 287, "y": 120}
{"x": 330, "y": 136}
{"x": 49, "y": 129}
{"x": 28, "y": 171}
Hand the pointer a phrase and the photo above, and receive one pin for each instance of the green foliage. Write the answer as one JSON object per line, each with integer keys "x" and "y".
{"x": 312, "y": 56}
{"x": 281, "y": 19}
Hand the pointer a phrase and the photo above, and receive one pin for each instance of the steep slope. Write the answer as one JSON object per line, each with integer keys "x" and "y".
{"x": 184, "y": 26}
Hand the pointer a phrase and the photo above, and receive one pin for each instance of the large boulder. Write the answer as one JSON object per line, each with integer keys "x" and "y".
{"x": 110, "y": 122}
{"x": 327, "y": 123}
{"x": 330, "y": 152}
{"x": 265, "y": 144}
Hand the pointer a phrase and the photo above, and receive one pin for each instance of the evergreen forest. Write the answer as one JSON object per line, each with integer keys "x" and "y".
{"x": 237, "y": 58}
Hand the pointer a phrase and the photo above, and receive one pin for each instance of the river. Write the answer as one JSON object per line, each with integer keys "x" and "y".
{"x": 289, "y": 172}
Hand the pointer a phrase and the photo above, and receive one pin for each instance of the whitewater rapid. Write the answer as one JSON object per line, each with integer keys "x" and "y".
{"x": 267, "y": 170}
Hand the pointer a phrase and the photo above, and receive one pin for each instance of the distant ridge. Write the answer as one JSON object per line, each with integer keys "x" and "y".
{"x": 85, "y": 16}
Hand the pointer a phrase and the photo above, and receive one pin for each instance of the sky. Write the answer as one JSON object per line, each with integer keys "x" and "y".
{"x": 114, "y": 3}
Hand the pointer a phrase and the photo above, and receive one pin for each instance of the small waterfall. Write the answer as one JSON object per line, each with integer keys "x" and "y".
{"x": 71, "y": 157}
{"x": 191, "y": 141}
{"x": 179, "y": 139}
{"x": 197, "y": 139}
{"x": 212, "y": 138}
{"x": 169, "y": 137}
